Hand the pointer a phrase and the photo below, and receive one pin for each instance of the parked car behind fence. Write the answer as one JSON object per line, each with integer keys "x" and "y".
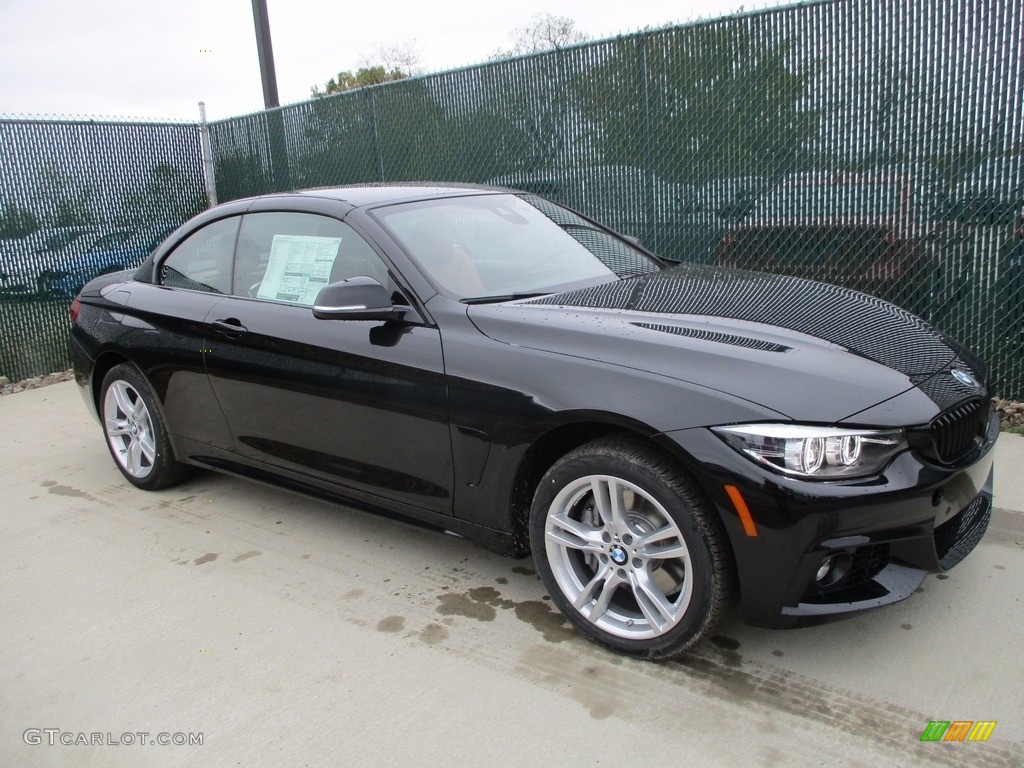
{"x": 872, "y": 233}
{"x": 23, "y": 259}
{"x": 993, "y": 193}
{"x": 112, "y": 250}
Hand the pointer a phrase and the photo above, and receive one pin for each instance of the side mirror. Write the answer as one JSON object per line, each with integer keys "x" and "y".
{"x": 358, "y": 298}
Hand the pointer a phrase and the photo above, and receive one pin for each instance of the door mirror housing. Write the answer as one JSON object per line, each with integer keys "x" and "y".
{"x": 358, "y": 298}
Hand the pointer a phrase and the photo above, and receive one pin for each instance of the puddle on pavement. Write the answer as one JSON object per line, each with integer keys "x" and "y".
{"x": 432, "y": 634}
{"x": 481, "y": 603}
{"x": 464, "y": 605}
{"x": 65, "y": 490}
{"x": 391, "y": 624}
{"x": 728, "y": 649}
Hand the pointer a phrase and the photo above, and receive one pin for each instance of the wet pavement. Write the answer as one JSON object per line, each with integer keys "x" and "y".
{"x": 284, "y": 631}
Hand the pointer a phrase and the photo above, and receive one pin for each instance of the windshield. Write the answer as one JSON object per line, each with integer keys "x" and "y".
{"x": 503, "y": 246}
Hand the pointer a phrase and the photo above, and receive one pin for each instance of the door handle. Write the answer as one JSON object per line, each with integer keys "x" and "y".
{"x": 230, "y": 327}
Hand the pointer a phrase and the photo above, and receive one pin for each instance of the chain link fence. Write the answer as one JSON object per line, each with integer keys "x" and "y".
{"x": 79, "y": 198}
{"x": 874, "y": 144}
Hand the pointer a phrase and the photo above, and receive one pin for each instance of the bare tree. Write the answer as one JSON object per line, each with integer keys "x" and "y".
{"x": 545, "y": 32}
{"x": 395, "y": 61}
{"x": 401, "y": 57}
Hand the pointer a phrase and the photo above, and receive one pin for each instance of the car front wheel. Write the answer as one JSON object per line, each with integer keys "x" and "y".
{"x": 628, "y": 549}
{"x": 135, "y": 433}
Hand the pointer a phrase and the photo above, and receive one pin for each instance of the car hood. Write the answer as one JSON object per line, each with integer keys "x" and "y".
{"x": 809, "y": 351}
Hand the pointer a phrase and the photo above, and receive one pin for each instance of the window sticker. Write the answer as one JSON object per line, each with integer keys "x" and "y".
{"x": 300, "y": 265}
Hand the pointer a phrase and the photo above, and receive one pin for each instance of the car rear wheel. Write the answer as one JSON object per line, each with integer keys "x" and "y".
{"x": 628, "y": 549}
{"x": 135, "y": 433}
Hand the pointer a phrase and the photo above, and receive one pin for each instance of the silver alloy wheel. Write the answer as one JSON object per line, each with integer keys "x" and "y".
{"x": 129, "y": 429}
{"x": 618, "y": 557}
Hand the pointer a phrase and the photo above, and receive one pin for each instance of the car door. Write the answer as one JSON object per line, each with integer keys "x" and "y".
{"x": 167, "y": 320}
{"x": 354, "y": 403}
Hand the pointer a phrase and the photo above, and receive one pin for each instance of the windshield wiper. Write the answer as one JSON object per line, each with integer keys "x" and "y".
{"x": 503, "y": 297}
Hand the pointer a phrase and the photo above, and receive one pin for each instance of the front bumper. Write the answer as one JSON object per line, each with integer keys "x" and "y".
{"x": 883, "y": 533}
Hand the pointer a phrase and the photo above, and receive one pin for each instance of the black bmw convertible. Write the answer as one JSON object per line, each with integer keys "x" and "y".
{"x": 663, "y": 439}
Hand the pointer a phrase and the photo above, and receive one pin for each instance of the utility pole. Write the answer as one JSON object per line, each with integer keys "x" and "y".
{"x": 266, "y": 54}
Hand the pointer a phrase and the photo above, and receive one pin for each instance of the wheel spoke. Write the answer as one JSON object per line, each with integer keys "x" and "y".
{"x": 142, "y": 415}
{"x": 604, "y": 506}
{"x": 139, "y": 412}
{"x": 656, "y": 608}
{"x": 148, "y": 447}
{"x": 609, "y": 587}
{"x": 668, "y": 552}
{"x": 587, "y": 593}
{"x": 117, "y": 427}
{"x": 608, "y": 498}
{"x": 121, "y": 397}
{"x": 134, "y": 465}
{"x": 665, "y": 532}
{"x": 574, "y": 534}
{"x": 663, "y": 544}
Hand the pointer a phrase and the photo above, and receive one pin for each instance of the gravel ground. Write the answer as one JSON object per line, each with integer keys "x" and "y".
{"x": 8, "y": 387}
{"x": 1011, "y": 413}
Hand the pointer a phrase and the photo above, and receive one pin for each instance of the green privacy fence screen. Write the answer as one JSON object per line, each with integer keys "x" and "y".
{"x": 79, "y": 197}
{"x": 872, "y": 143}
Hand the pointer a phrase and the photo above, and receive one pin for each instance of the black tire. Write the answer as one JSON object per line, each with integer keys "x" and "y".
{"x": 134, "y": 431}
{"x": 650, "y": 579}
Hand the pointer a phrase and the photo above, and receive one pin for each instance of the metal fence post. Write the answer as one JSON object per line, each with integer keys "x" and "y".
{"x": 209, "y": 173}
{"x": 371, "y": 97}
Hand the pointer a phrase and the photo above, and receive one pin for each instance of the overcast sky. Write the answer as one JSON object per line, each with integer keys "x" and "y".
{"x": 153, "y": 60}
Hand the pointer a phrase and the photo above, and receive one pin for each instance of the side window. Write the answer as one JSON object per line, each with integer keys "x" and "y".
{"x": 291, "y": 256}
{"x": 202, "y": 261}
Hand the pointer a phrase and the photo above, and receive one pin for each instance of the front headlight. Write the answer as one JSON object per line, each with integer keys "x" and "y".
{"x": 816, "y": 453}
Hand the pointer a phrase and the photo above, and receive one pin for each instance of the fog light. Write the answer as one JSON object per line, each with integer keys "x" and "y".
{"x": 824, "y": 571}
{"x": 832, "y": 570}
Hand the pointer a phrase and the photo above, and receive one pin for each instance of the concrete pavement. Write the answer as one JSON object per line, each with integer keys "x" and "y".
{"x": 283, "y": 631}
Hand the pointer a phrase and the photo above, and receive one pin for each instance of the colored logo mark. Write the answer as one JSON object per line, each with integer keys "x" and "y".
{"x": 965, "y": 377}
{"x": 958, "y": 730}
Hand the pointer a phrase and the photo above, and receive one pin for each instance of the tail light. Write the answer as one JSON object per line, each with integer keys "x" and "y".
{"x": 75, "y": 308}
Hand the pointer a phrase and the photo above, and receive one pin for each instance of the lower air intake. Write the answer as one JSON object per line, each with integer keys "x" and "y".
{"x": 956, "y": 537}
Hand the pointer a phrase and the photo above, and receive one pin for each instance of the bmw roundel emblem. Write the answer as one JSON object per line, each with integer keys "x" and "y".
{"x": 964, "y": 377}
{"x": 618, "y": 555}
